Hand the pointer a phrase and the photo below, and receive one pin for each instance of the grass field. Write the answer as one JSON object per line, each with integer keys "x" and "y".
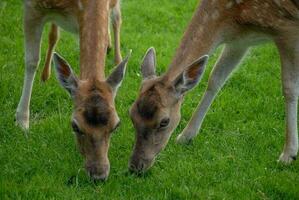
{"x": 234, "y": 157}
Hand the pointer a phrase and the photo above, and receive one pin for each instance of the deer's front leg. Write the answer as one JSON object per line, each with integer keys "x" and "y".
{"x": 231, "y": 56}
{"x": 109, "y": 36}
{"x": 290, "y": 81}
{"x": 33, "y": 31}
{"x": 116, "y": 23}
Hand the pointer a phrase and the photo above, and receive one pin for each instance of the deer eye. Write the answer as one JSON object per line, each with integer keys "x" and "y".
{"x": 76, "y": 128}
{"x": 164, "y": 122}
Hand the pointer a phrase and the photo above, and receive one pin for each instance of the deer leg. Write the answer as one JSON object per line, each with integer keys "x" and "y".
{"x": 116, "y": 23}
{"x": 109, "y": 36}
{"x": 231, "y": 56}
{"x": 53, "y": 38}
{"x": 33, "y": 32}
{"x": 290, "y": 81}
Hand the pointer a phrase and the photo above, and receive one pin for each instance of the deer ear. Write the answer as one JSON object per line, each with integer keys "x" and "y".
{"x": 116, "y": 77}
{"x": 191, "y": 76}
{"x": 148, "y": 66}
{"x": 65, "y": 75}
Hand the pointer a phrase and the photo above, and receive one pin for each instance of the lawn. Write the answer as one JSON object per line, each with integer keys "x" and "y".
{"x": 234, "y": 156}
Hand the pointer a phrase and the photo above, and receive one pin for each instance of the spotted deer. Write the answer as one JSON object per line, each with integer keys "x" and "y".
{"x": 238, "y": 24}
{"x": 94, "y": 117}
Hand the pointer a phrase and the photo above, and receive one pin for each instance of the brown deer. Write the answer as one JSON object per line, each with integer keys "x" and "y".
{"x": 94, "y": 117}
{"x": 238, "y": 24}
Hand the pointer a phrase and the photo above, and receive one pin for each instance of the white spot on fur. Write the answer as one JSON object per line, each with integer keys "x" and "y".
{"x": 260, "y": 20}
{"x": 229, "y": 5}
{"x": 215, "y": 14}
{"x": 243, "y": 13}
{"x": 205, "y": 18}
{"x": 280, "y": 22}
{"x": 200, "y": 29}
{"x": 277, "y": 2}
{"x": 80, "y": 5}
{"x": 239, "y": 1}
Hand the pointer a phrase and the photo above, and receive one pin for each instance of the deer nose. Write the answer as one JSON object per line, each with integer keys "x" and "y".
{"x": 136, "y": 167}
{"x": 139, "y": 165}
{"x": 98, "y": 172}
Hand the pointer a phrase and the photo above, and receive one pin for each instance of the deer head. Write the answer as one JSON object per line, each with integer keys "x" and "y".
{"x": 94, "y": 117}
{"x": 156, "y": 112}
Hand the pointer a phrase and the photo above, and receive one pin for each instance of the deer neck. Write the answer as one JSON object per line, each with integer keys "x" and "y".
{"x": 93, "y": 22}
{"x": 204, "y": 33}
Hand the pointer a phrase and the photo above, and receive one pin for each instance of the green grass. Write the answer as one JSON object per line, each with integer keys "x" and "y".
{"x": 234, "y": 157}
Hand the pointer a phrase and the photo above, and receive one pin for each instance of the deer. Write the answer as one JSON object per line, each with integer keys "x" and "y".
{"x": 94, "y": 117}
{"x": 238, "y": 25}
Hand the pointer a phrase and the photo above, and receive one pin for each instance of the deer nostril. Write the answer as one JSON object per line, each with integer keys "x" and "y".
{"x": 164, "y": 122}
{"x": 102, "y": 177}
{"x": 137, "y": 166}
{"x": 141, "y": 166}
{"x": 98, "y": 172}
{"x": 132, "y": 167}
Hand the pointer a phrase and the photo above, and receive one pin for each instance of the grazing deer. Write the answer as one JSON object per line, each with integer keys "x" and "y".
{"x": 94, "y": 117}
{"x": 238, "y": 24}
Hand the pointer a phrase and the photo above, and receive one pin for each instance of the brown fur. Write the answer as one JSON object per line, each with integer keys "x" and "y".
{"x": 156, "y": 105}
{"x": 72, "y": 6}
{"x": 230, "y": 23}
{"x": 215, "y": 22}
{"x": 152, "y": 98}
{"x": 95, "y": 113}
{"x": 94, "y": 116}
